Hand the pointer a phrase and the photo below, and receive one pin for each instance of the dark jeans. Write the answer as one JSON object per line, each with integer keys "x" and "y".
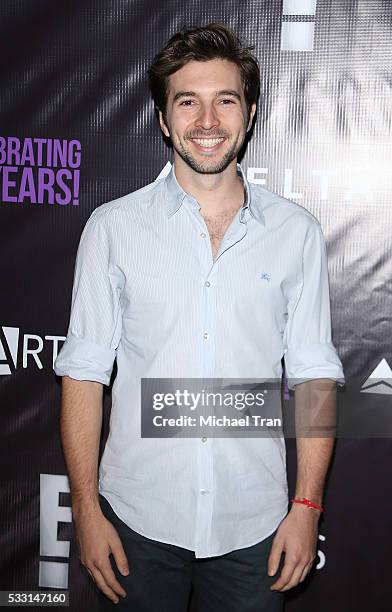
{"x": 161, "y": 575}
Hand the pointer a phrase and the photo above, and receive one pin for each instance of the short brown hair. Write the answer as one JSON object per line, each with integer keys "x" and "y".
{"x": 213, "y": 41}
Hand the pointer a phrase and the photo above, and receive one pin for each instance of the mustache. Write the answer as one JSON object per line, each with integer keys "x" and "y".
{"x": 205, "y": 134}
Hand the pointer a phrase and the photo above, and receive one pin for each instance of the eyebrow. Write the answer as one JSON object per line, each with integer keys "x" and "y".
{"x": 222, "y": 92}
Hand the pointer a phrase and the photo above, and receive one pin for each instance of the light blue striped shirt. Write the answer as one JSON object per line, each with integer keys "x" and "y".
{"x": 148, "y": 292}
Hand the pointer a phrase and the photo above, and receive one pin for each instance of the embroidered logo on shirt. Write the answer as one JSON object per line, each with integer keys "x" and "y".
{"x": 265, "y": 276}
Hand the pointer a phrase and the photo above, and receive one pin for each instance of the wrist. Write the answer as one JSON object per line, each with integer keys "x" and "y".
{"x": 307, "y": 504}
{"x": 304, "y": 511}
{"x": 85, "y": 504}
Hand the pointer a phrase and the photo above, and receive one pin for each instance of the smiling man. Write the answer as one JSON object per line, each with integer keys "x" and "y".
{"x": 207, "y": 126}
{"x": 198, "y": 275}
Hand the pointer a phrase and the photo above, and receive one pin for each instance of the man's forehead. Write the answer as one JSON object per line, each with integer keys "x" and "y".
{"x": 206, "y": 77}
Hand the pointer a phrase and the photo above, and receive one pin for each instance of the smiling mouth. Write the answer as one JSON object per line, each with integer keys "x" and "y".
{"x": 207, "y": 143}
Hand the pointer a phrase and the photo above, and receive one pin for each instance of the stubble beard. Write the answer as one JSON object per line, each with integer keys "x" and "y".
{"x": 208, "y": 167}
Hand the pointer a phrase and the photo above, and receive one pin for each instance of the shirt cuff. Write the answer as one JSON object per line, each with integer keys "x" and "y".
{"x": 311, "y": 362}
{"x": 84, "y": 360}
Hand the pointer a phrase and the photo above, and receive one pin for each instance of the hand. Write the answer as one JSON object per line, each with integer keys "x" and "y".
{"x": 97, "y": 538}
{"x": 297, "y": 537}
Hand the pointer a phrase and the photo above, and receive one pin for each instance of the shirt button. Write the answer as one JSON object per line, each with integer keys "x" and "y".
{"x": 207, "y": 284}
{"x": 204, "y": 439}
{"x": 203, "y": 491}
{"x": 206, "y": 335}
{"x": 202, "y": 235}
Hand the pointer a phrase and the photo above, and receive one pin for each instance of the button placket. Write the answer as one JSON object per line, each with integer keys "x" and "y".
{"x": 204, "y": 474}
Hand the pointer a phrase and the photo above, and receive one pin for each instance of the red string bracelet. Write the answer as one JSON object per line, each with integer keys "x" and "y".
{"x": 308, "y": 503}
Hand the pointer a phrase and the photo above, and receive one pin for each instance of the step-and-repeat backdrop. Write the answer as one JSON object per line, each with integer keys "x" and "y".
{"x": 77, "y": 129}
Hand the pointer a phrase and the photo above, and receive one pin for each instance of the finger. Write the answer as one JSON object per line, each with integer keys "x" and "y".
{"x": 294, "y": 580}
{"x": 110, "y": 578}
{"x": 306, "y": 570}
{"x": 119, "y": 555}
{"x": 101, "y": 584}
{"x": 285, "y": 575}
{"x": 274, "y": 557}
{"x": 91, "y": 574}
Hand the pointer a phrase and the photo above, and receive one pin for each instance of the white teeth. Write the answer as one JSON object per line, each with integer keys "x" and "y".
{"x": 208, "y": 142}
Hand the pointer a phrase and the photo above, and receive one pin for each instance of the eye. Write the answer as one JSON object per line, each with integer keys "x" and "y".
{"x": 227, "y": 100}
{"x": 186, "y": 103}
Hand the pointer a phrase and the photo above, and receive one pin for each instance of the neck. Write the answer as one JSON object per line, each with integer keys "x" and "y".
{"x": 216, "y": 193}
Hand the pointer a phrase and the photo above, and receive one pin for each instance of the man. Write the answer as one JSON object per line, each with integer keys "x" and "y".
{"x": 197, "y": 275}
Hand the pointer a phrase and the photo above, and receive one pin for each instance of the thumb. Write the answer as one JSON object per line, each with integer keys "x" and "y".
{"x": 274, "y": 557}
{"x": 119, "y": 555}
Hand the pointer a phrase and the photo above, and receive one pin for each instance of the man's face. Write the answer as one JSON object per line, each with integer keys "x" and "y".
{"x": 206, "y": 114}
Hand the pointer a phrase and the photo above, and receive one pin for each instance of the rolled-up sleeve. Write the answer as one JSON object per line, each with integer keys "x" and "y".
{"x": 308, "y": 349}
{"x": 94, "y": 331}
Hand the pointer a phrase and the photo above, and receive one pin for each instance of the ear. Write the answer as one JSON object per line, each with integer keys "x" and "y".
{"x": 252, "y": 114}
{"x": 163, "y": 124}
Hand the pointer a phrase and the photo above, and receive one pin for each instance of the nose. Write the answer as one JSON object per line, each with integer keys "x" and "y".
{"x": 207, "y": 118}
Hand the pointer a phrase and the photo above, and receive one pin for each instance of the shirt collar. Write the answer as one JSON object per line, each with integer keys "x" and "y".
{"x": 175, "y": 195}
